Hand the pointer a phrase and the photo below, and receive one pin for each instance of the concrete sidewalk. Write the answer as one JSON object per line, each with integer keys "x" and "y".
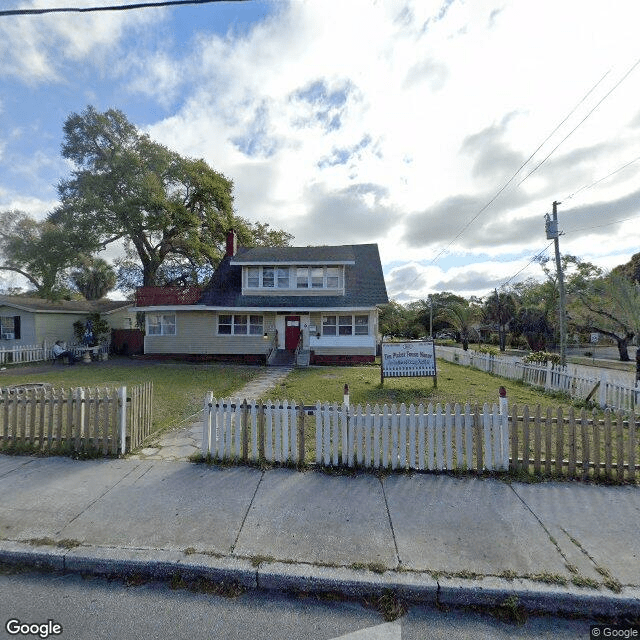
{"x": 430, "y": 538}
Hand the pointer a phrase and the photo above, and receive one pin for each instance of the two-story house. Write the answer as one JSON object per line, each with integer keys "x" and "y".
{"x": 266, "y": 302}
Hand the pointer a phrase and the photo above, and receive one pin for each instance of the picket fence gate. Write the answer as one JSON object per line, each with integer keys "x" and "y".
{"x": 103, "y": 420}
{"x": 435, "y": 438}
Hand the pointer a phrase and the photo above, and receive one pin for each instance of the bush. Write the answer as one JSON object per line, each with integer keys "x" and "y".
{"x": 542, "y": 357}
{"x": 492, "y": 351}
{"x": 519, "y": 343}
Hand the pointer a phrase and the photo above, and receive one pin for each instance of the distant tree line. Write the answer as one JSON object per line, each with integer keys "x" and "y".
{"x": 170, "y": 215}
{"x": 526, "y": 315}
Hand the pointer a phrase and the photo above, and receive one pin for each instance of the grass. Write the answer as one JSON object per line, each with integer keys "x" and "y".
{"x": 455, "y": 384}
{"x": 178, "y": 387}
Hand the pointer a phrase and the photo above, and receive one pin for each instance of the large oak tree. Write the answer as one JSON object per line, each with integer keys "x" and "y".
{"x": 170, "y": 212}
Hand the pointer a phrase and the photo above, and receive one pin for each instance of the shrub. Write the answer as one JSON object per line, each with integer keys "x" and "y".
{"x": 492, "y": 351}
{"x": 542, "y": 357}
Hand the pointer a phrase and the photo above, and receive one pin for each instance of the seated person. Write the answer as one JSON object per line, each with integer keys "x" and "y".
{"x": 60, "y": 352}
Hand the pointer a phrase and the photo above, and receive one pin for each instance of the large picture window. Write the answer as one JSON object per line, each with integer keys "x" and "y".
{"x": 240, "y": 325}
{"x": 345, "y": 325}
{"x": 161, "y": 324}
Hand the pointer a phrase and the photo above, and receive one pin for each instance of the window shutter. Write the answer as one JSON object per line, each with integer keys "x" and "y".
{"x": 16, "y": 327}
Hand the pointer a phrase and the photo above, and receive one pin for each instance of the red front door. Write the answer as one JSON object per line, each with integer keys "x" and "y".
{"x": 292, "y": 332}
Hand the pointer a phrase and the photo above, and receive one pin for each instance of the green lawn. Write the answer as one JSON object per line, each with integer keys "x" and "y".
{"x": 178, "y": 388}
{"x": 455, "y": 384}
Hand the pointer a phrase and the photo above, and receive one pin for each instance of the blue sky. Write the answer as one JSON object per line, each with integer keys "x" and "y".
{"x": 393, "y": 122}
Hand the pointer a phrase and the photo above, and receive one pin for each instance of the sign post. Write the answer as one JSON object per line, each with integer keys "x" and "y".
{"x": 408, "y": 360}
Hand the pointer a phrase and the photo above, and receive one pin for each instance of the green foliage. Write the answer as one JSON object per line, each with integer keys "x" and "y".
{"x": 461, "y": 317}
{"x": 542, "y": 357}
{"x": 171, "y": 212}
{"x": 492, "y": 351}
{"x": 500, "y": 309}
{"x": 100, "y": 327}
{"x": 94, "y": 277}
{"x": 609, "y": 305}
{"x": 38, "y": 250}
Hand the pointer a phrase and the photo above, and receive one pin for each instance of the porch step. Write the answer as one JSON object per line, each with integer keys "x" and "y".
{"x": 304, "y": 357}
{"x": 281, "y": 358}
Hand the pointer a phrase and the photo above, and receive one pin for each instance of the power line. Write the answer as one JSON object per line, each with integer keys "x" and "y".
{"x": 118, "y": 7}
{"x": 512, "y": 178}
{"x": 599, "y": 226}
{"x": 606, "y": 95}
{"x": 593, "y": 184}
{"x": 535, "y": 257}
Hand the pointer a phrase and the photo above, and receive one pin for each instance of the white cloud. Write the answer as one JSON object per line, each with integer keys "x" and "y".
{"x": 37, "y": 49}
{"x": 394, "y": 122}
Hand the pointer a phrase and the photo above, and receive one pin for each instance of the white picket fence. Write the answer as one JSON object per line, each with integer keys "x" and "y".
{"x": 435, "y": 438}
{"x": 23, "y": 354}
{"x": 613, "y": 390}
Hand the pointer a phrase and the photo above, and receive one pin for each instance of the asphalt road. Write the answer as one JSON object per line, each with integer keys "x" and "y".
{"x": 97, "y": 608}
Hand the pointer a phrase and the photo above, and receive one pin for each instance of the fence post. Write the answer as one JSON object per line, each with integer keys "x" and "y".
{"x": 548, "y": 384}
{"x": 122, "y": 401}
{"x": 301, "y": 450}
{"x": 602, "y": 397}
{"x": 206, "y": 423}
{"x": 244, "y": 420}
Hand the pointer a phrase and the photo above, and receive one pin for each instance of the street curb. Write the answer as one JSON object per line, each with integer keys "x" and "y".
{"x": 420, "y": 588}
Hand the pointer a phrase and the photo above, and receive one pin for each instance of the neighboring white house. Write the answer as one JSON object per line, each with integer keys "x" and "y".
{"x": 322, "y": 300}
{"x": 32, "y": 321}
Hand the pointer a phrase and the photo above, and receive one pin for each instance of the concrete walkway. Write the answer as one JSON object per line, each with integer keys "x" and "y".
{"x": 179, "y": 444}
{"x": 433, "y": 538}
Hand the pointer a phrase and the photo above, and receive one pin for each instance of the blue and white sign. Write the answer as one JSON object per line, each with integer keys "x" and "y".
{"x": 408, "y": 359}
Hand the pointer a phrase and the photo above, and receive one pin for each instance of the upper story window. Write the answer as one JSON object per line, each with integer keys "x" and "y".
{"x": 268, "y": 277}
{"x": 272, "y": 277}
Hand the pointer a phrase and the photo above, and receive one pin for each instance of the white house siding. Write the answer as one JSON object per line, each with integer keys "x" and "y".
{"x": 196, "y": 333}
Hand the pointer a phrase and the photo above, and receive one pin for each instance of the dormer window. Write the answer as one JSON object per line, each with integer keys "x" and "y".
{"x": 293, "y": 278}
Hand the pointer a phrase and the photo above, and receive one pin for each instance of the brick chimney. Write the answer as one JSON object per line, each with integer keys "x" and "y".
{"x": 232, "y": 244}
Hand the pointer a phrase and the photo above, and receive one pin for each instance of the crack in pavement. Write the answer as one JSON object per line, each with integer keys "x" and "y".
{"x": 87, "y": 507}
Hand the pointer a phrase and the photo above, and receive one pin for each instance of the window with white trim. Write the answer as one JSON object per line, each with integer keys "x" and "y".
{"x": 345, "y": 325}
{"x": 268, "y": 277}
{"x": 361, "y": 325}
{"x": 253, "y": 277}
{"x": 161, "y": 324}
{"x": 328, "y": 325}
{"x": 240, "y": 324}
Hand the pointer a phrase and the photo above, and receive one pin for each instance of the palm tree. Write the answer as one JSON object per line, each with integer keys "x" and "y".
{"x": 500, "y": 308}
{"x": 94, "y": 278}
{"x": 461, "y": 317}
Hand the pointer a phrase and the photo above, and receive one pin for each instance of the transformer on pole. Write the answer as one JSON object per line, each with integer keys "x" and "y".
{"x": 551, "y": 229}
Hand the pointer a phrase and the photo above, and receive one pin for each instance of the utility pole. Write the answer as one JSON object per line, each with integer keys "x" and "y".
{"x": 430, "y": 317}
{"x": 551, "y": 227}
